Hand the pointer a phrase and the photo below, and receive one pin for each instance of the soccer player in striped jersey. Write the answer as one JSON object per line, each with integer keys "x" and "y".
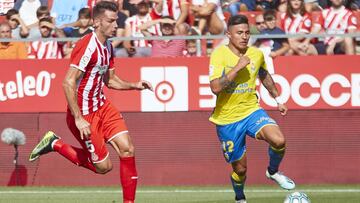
{"x": 92, "y": 119}
{"x": 233, "y": 72}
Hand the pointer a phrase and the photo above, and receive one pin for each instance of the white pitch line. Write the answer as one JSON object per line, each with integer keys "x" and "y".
{"x": 175, "y": 191}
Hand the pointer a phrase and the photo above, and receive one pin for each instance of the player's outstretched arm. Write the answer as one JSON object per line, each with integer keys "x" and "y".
{"x": 112, "y": 81}
{"x": 69, "y": 86}
{"x": 269, "y": 84}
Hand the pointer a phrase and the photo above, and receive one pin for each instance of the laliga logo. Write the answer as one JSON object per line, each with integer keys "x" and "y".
{"x": 170, "y": 89}
{"x": 27, "y": 86}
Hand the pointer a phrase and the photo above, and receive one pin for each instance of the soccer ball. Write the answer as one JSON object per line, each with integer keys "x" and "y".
{"x": 297, "y": 197}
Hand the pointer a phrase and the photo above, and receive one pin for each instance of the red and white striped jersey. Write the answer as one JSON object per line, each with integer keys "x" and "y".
{"x": 45, "y": 50}
{"x": 295, "y": 24}
{"x": 336, "y": 21}
{"x": 172, "y": 8}
{"x": 135, "y": 21}
{"x": 94, "y": 60}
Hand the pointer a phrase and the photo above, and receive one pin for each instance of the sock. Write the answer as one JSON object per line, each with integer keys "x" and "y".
{"x": 238, "y": 183}
{"x": 76, "y": 155}
{"x": 128, "y": 178}
{"x": 276, "y": 156}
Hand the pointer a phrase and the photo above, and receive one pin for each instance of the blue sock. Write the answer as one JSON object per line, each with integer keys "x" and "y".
{"x": 276, "y": 156}
{"x": 238, "y": 185}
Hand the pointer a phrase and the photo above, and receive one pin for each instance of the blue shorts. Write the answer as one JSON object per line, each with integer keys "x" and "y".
{"x": 232, "y": 136}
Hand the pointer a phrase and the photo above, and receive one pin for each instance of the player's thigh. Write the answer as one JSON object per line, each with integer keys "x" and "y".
{"x": 123, "y": 145}
{"x": 95, "y": 145}
{"x": 232, "y": 140}
{"x": 261, "y": 126}
{"x": 216, "y": 25}
{"x": 272, "y": 135}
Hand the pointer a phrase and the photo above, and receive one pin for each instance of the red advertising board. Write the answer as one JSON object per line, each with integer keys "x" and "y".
{"x": 181, "y": 84}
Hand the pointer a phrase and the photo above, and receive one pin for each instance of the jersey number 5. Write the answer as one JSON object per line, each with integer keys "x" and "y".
{"x": 90, "y": 146}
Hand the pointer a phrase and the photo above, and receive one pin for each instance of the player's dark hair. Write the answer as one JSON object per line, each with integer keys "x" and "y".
{"x": 11, "y": 12}
{"x": 102, "y": 6}
{"x": 237, "y": 19}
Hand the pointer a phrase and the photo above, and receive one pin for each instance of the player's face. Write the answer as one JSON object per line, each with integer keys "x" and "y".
{"x": 106, "y": 23}
{"x": 239, "y": 35}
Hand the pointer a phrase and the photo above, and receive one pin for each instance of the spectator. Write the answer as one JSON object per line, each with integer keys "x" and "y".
{"x": 84, "y": 22}
{"x": 120, "y": 31}
{"x": 6, "y": 5}
{"x": 18, "y": 27}
{"x": 27, "y": 9}
{"x": 266, "y": 5}
{"x": 255, "y": 30}
{"x": 138, "y": 48}
{"x": 41, "y": 12}
{"x": 210, "y": 16}
{"x": 336, "y": 20}
{"x": 10, "y": 50}
{"x": 278, "y": 46}
{"x": 47, "y": 49}
{"x": 353, "y": 5}
{"x": 164, "y": 48}
{"x": 66, "y": 11}
{"x": 190, "y": 48}
{"x": 260, "y": 23}
{"x": 84, "y": 27}
{"x": 297, "y": 20}
{"x": 312, "y": 5}
{"x": 177, "y": 9}
{"x": 241, "y": 5}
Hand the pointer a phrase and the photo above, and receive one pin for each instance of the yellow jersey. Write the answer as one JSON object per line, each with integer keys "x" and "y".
{"x": 239, "y": 99}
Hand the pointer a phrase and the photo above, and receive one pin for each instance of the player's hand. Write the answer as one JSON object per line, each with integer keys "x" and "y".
{"x": 243, "y": 62}
{"x": 283, "y": 109}
{"x": 143, "y": 84}
{"x": 84, "y": 127}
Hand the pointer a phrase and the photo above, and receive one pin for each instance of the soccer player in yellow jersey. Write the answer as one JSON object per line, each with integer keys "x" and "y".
{"x": 233, "y": 71}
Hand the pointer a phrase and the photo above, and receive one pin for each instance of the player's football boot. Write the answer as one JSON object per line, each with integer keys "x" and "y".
{"x": 44, "y": 146}
{"x": 240, "y": 201}
{"x": 284, "y": 182}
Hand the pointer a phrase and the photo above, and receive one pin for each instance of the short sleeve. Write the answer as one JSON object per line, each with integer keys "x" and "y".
{"x": 352, "y": 22}
{"x": 81, "y": 54}
{"x": 216, "y": 67}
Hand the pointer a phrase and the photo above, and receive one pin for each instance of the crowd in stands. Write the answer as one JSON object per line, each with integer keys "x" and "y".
{"x": 39, "y": 19}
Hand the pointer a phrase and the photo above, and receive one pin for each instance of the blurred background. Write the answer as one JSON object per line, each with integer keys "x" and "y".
{"x": 311, "y": 48}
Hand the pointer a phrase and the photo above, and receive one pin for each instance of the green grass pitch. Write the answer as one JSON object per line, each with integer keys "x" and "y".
{"x": 174, "y": 194}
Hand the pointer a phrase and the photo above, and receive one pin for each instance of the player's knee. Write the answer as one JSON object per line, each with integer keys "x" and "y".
{"x": 240, "y": 171}
{"x": 104, "y": 168}
{"x": 127, "y": 151}
{"x": 279, "y": 142}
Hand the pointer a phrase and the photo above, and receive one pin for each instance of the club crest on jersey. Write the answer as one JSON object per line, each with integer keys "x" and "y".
{"x": 252, "y": 67}
{"x": 94, "y": 157}
{"x": 102, "y": 69}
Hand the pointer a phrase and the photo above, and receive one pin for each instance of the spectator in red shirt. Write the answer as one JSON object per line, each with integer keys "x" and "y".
{"x": 164, "y": 48}
{"x": 47, "y": 49}
{"x": 336, "y": 20}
